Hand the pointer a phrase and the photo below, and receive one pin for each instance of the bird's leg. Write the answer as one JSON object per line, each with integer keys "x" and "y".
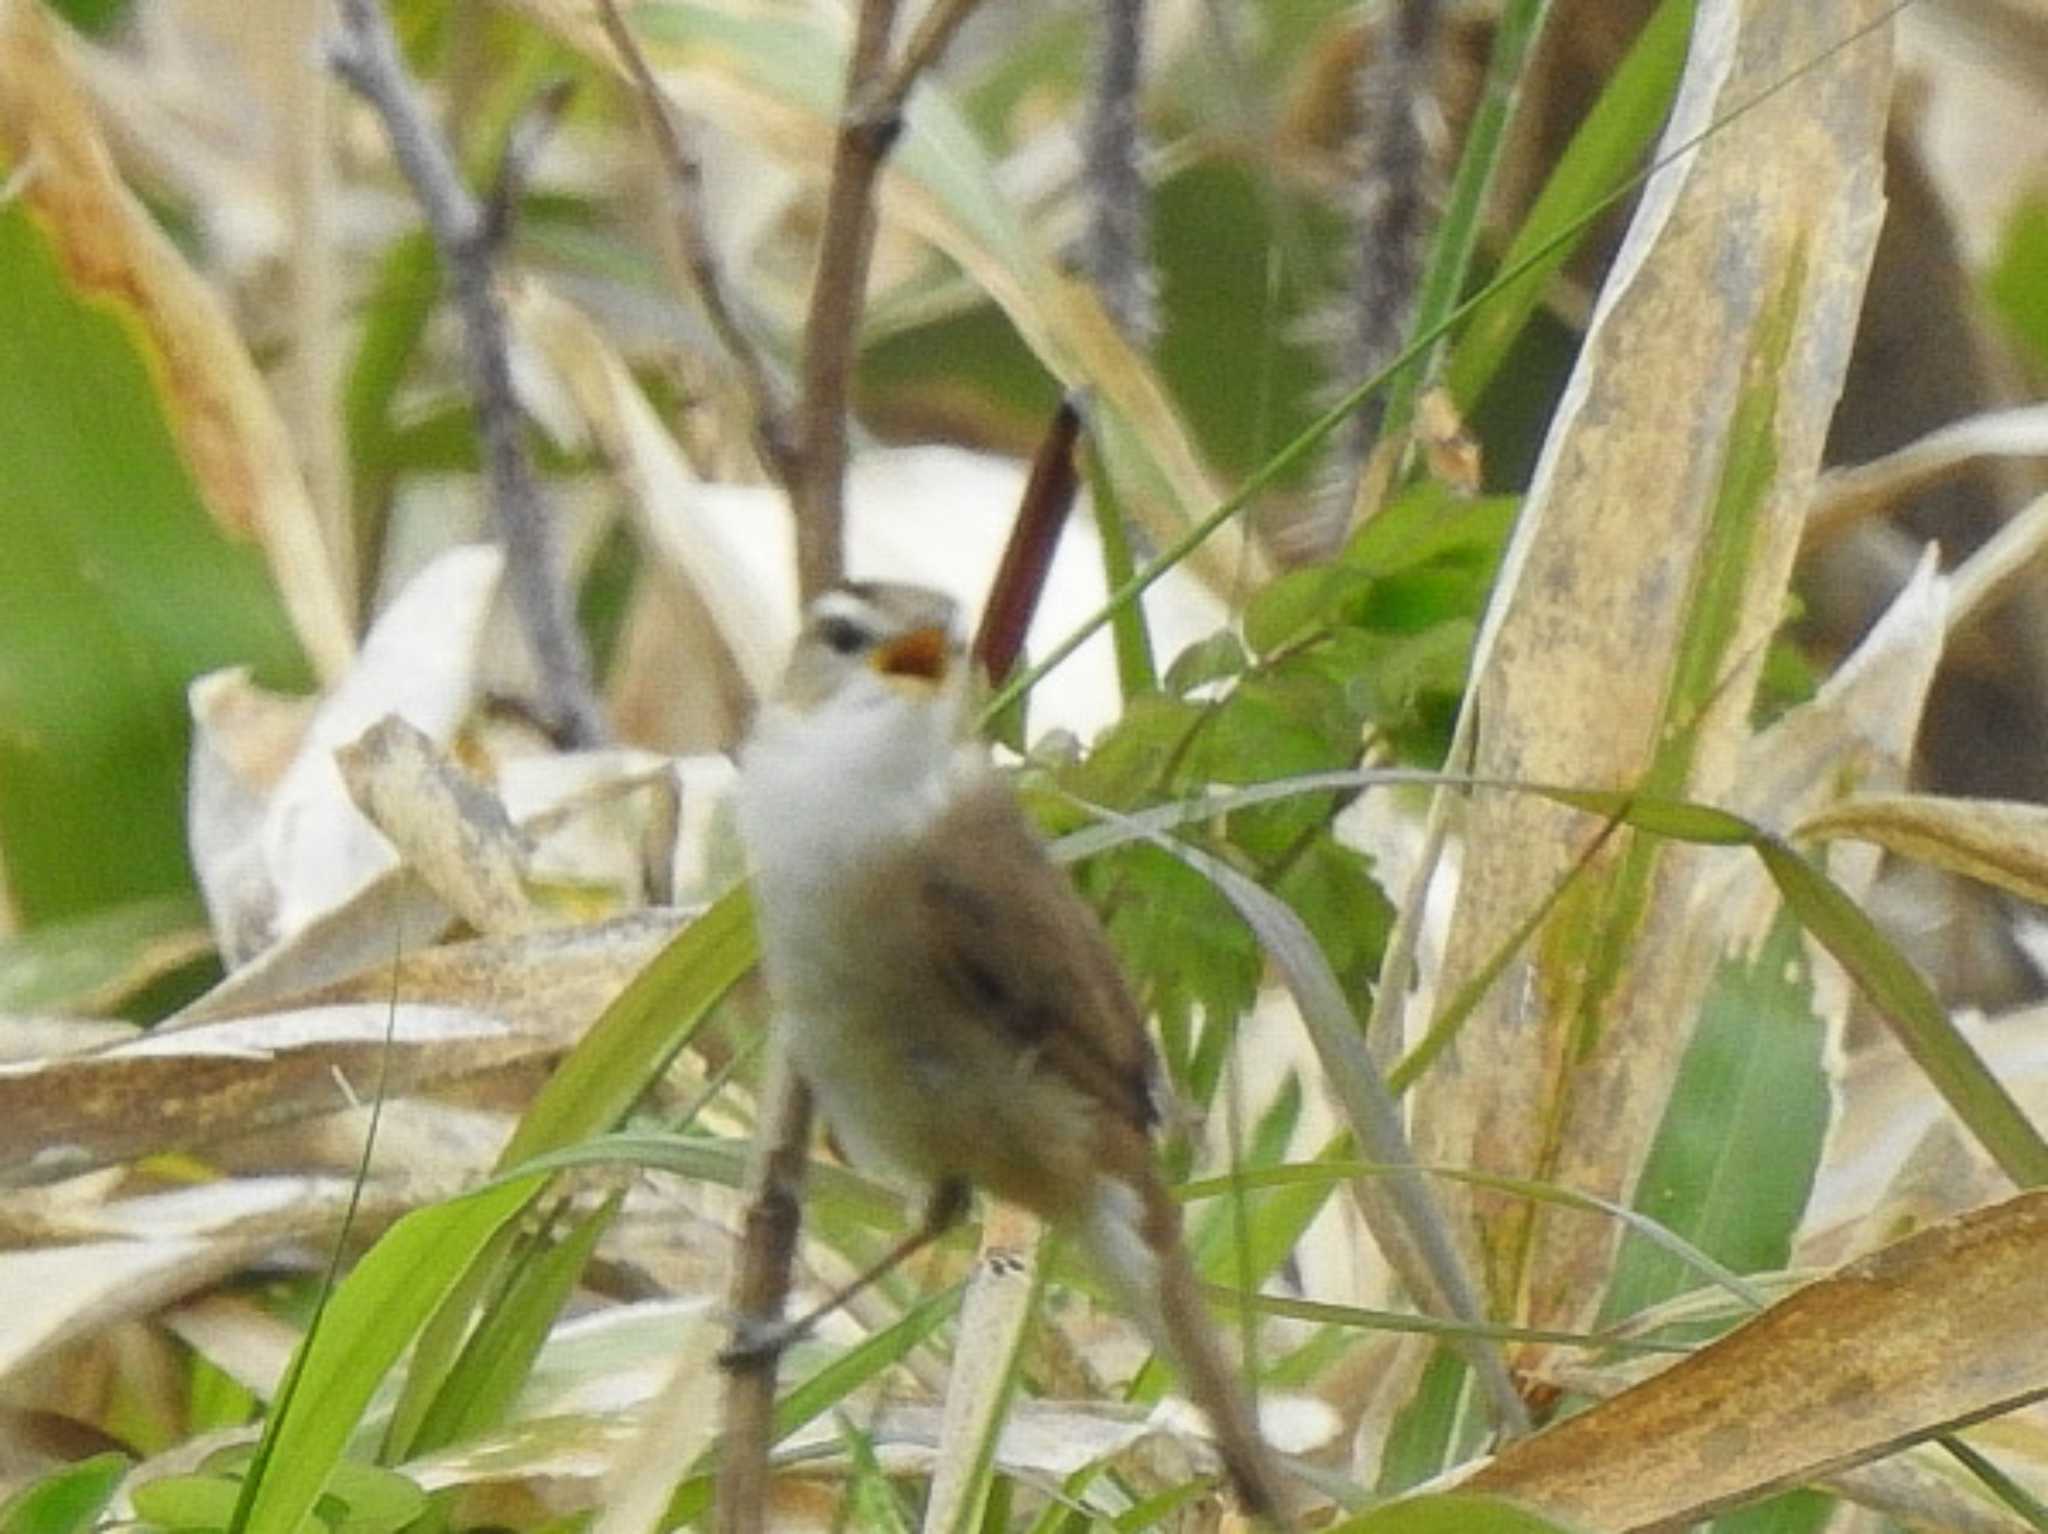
{"x": 942, "y": 1211}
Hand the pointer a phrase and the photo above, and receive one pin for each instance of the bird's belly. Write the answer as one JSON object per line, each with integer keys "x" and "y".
{"x": 929, "y": 1103}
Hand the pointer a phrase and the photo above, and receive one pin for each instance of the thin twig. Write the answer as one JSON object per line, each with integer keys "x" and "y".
{"x": 845, "y": 247}
{"x": 870, "y": 118}
{"x": 1113, "y": 250}
{"x": 529, "y": 135}
{"x": 365, "y": 55}
{"x": 927, "y": 44}
{"x": 686, "y": 186}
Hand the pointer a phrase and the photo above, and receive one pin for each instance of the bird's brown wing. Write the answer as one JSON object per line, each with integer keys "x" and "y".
{"x": 1028, "y": 956}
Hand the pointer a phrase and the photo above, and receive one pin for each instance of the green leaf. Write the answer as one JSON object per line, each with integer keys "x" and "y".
{"x": 1180, "y": 940}
{"x": 119, "y": 584}
{"x": 1215, "y": 659}
{"x": 371, "y": 1319}
{"x": 1301, "y": 603}
{"x": 1733, "y": 1161}
{"x": 2014, "y": 285}
{"x": 66, "y": 1501}
{"x": 1595, "y": 165}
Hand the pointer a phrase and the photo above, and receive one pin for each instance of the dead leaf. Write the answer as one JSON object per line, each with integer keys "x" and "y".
{"x": 448, "y": 827}
{"x": 1941, "y": 1330}
{"x": 1632, "y": 613}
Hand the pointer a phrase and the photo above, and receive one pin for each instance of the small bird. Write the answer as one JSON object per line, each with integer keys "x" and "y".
{"x": 952, "y": 1004}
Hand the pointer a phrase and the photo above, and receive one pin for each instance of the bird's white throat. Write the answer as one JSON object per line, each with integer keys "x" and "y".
{"x": 821, "y": 788}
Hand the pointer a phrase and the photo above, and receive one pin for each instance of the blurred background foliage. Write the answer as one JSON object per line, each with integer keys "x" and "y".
{"x": 264, "y": 310}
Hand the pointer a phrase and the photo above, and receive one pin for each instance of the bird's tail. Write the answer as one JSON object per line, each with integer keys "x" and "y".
{"x": 1133, "y": 1238}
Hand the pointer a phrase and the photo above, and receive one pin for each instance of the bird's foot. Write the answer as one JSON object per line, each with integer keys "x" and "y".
{"x": 756, "y": 1341}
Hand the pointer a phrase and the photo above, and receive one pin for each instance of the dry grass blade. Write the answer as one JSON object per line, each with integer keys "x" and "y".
{"x": 211, "y": 1083}
{"x": 2000, "y": 843}
{"x": 1846, "y": 496}
{"x": 1931, "y": 1334}
{"x": 993, "y": 1319}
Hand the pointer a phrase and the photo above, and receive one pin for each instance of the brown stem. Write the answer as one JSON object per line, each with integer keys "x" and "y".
{"x": 870, "y": 118}
{"x": 760, "y": 1291}
{"x": 1034, "y": 539}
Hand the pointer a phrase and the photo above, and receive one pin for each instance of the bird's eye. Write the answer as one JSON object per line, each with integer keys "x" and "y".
{"x": 842, "y": 636}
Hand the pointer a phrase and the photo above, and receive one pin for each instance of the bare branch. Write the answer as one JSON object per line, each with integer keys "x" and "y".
{"x": 759, "y": 1293}
{"x": 365, "y": 55}
{"x": 1114, "y": 249}
{"x": 1396, "y": 197}
{"x": 686, "y": 186}
{"x": 536, "y": 125}
{"x": 927, "y": 45}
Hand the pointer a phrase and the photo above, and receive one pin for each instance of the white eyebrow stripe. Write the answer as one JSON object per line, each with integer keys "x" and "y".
{"x": 844, "y": 604}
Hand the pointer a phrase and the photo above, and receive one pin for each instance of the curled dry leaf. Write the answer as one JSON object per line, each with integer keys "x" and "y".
{"x": 1993, "y": 840}
{"x": 449, "y": 828}
{"x": 1931, "y": 1334}
{"x": 419, "y": 662}
{"x": 228, "y": 430}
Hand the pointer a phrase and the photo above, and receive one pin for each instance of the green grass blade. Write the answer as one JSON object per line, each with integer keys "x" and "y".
{"x": 370, "y": 1320}
{"x": 1917, "y": 1019}
{"x": 1457, "y": 234}
{"x": 605, "y": 1074}
{"x": 66, "y": 1501}
{"x": 480, "y": 1390}
{"x": 1621, "y": 125}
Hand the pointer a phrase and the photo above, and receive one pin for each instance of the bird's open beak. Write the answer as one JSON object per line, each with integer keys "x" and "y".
{"x": 922, "y": 653}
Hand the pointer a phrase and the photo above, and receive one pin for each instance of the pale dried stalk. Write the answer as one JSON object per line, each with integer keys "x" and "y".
{"x": 772, "y": 427}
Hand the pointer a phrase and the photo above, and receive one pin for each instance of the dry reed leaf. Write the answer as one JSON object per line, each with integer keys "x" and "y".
{"x": 216, "y": 1081}
{"x": 1887, "y": 1113}
{"x": 154, "y": 1251}
{"x": 1926, "y": 1336}
{"x": 1643, "y": 582}
{"x": 227, "y": 426}
{"x": 1846, "y": 496}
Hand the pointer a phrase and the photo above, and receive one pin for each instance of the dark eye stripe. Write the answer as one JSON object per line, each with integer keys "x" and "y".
{"x": 842, "y": 635}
